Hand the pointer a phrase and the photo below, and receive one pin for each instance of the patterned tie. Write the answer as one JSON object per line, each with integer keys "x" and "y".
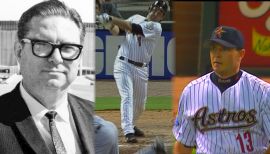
{"x": 58, "y": 144}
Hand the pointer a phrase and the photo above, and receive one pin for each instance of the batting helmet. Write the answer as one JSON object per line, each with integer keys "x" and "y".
{"x": 162, "y": 4}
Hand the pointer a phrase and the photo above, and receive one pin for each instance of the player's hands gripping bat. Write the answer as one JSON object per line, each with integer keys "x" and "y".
{"x": 105, "y": 20}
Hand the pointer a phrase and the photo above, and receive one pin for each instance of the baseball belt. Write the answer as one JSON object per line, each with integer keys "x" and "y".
{"x": 138, "y": 64}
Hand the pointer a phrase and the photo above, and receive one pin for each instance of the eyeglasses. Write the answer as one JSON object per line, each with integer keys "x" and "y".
{"x": 44, "y": 49}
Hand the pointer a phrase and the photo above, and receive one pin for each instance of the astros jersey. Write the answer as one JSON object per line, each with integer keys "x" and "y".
{"x": 140, "y": 48}
{"x": 235, "y": 121}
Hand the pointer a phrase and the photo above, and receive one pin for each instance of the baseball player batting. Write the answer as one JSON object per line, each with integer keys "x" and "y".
{"x": 131, "y": 63}
{"x": 227, "y": 110}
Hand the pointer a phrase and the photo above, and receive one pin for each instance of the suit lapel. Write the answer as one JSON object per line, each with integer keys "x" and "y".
{"x": 82, "y": 113}
{"x": 21, "y": 116}
{"x": 30, "y": 133}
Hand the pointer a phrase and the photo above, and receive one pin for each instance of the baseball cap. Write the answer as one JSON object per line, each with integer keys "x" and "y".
{"x": 227, "y": 36}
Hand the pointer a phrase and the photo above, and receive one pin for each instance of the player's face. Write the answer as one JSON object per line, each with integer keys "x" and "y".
{"x": 225, "y": 61}
{"x": 52, "y": 73}
{"x": 156, "y": 14}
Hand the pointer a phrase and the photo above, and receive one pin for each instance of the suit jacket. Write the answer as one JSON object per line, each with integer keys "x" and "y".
{"x": 19, "y": 134}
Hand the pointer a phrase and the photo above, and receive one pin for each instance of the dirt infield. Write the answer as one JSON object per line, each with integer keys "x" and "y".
{"x": 155, "y": 123}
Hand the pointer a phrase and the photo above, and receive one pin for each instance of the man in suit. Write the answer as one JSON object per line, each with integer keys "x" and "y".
{"x": 39, "y": 115}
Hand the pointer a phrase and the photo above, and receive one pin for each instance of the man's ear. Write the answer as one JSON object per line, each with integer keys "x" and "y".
{"x": 242, "y": 53}
{"x": 18, "y": 50}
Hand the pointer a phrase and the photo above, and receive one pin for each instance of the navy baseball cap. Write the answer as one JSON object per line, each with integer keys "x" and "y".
{"x": 227, "y": 36}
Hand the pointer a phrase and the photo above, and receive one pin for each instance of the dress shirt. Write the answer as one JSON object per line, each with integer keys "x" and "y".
{"x": 64, "y": 122}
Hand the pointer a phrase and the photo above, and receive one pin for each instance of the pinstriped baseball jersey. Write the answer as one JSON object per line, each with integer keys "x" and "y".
{"x": 131, "y": 80}
{"x": 235, "y": 121}
{"x": 140, "y": 48}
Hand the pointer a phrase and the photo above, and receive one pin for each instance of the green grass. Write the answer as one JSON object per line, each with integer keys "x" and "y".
{"x": 153, "y": 103}
{"x": 170, "y": 150}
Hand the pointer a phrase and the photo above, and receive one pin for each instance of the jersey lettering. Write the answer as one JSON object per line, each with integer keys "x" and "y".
{"x": 205, "y": 121}
{"x": 149, "y": 26}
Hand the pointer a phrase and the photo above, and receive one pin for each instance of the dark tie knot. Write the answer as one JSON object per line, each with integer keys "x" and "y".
{"x": 51, "y": 115}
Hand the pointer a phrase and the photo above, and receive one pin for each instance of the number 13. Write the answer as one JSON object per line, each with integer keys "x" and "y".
{"x": 246, "y": 137}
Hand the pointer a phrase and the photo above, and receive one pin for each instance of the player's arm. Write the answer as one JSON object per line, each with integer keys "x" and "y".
{"x": 266, "y": 115}
{"x": 183, "y": 129}
{"x": 115, "y": 30}
{"x": 267, "y": 151}
{"x": 118, "y": 26}
{"x": 179, "y": 148}
{"x": 113, "y": 24}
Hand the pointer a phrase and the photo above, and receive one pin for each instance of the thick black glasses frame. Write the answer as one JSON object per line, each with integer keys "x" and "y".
{"x": 58, "y": 46}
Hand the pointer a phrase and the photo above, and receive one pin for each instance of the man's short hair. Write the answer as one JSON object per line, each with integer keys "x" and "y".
{"x": 46, "y": 9}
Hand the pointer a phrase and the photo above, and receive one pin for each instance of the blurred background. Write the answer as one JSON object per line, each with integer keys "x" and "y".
{"x": 194, "y": 22}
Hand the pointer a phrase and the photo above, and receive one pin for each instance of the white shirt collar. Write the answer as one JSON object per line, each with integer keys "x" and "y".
{"x": 38, "y": 111}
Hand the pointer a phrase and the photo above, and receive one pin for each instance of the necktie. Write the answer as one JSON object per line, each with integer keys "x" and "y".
{"x": 58, "y": 144}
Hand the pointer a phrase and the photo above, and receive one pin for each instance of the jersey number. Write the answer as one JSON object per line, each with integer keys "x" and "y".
{"x": 245, "y": 137}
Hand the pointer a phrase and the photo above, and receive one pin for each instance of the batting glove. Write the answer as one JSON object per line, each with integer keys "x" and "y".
{"x": 103, "y": 18}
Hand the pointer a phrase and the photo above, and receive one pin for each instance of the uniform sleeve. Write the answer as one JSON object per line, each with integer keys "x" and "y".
{"x": 131, "y": 18}
{"x": 183, "y": 129}
{"x": 265, "y": 113}
{"x": 151, "y": 29}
